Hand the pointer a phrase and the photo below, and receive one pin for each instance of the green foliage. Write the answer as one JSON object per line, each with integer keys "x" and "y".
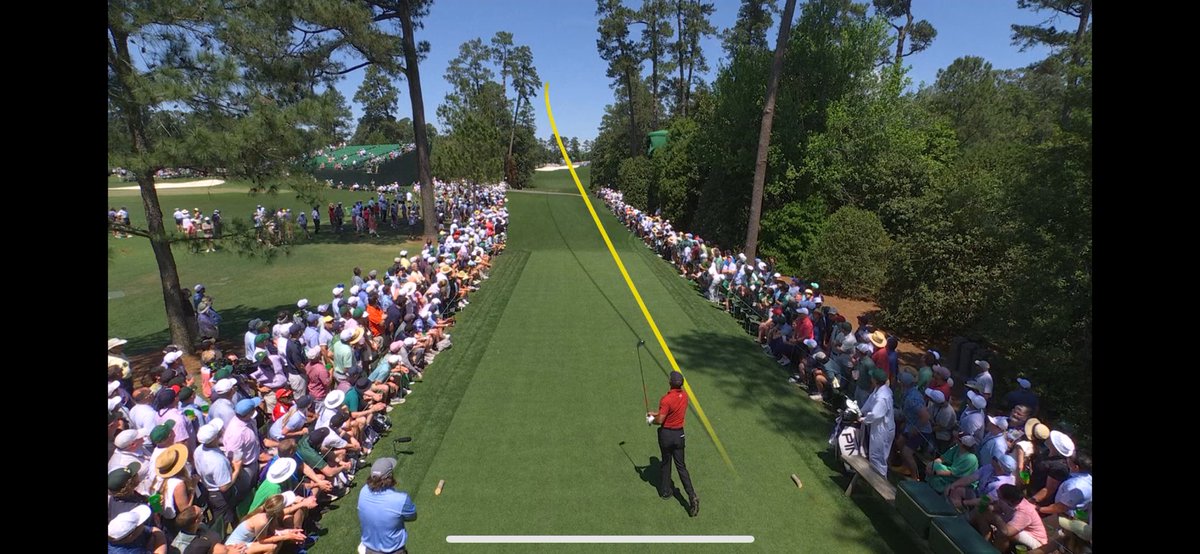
{"x": 851, "y": 253}
{"x": 480, "y": 120}
{"x": 678, "y": 173}
{"x": 878, "y": 152}
{"x": 750, "y": 29}
{"x": 790, "y": 234}
{"x": 635, "y": 178}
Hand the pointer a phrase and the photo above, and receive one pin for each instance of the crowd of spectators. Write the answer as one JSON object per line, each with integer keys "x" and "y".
{"x": 1018, "y": 479}
{"x": 246, "y": 455}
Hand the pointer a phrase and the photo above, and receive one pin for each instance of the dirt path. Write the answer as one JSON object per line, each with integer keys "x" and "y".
{"x": 910, "y": 353}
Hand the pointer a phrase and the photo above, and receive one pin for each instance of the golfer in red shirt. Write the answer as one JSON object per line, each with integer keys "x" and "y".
{"x": 669, "y": 416}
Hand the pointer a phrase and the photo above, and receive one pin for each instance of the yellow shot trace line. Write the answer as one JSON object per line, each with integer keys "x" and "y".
{"x": 645, "y": 312}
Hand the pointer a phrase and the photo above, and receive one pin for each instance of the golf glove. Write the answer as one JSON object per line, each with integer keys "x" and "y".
{"x": 649, "y": 419}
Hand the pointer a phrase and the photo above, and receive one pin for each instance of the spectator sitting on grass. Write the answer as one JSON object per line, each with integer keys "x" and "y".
{"x": 1024, "y": 525}
{"x": 955, "y": 463}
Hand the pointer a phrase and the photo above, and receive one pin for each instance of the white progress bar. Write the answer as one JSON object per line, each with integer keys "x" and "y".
{"x": 600, "y": 539}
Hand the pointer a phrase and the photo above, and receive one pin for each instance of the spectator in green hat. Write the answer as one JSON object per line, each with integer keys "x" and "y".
{"x": 122, "y": 490}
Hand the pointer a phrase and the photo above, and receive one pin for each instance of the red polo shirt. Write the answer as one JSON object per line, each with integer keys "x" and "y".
{"x": 672, "y": 407}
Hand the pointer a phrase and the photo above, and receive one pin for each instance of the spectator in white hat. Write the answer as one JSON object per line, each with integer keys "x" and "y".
{"x": 955, "y": 463}
{"x": 1049, "y": 472}
{"x": 982, "y": 380}
{"x": 222, "y": 407}
{"x": 971, "y": 420}
{"x": 967, "y": 491}
{"x": 945, "y": 423}
{"x": 216, "y": 473}
{"x": 995, "y": 441}
{"x": 129, "y": 532}
{"x": 317, "y": 375}
{"x": 130, "y": 449}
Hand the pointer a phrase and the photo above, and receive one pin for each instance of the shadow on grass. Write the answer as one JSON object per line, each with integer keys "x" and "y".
{"x": 734, "y": 364}
{"x": 233, "y": 327}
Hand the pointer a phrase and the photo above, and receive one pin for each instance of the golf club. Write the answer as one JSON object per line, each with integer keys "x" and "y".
{"x": 645, "y": 397}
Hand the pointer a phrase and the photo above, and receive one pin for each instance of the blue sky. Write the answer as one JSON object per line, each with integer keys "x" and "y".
{"x": 562, "y": 35}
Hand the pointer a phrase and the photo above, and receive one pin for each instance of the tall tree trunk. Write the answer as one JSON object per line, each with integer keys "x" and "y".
{"x": 510, "y": 165}
{"x": 679, "y": 22}
{"x": 654, "y": 71}
{"x": 633, "y": 138}
{"x": 687, "y": 84}
{"x": 1085, "y": 13}
{"x": 764, "y": 133}
{"x": 413, "y": 74}
{"x": 181, "y": 317}
{"x": 901, "y": 34}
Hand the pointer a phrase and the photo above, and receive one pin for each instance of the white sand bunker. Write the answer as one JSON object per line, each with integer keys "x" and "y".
{"x": 555, "y": 167}
{"x": 187, "y": 185}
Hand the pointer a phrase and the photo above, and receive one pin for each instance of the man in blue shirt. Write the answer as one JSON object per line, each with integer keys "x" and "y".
{"x": 382, "y": 511}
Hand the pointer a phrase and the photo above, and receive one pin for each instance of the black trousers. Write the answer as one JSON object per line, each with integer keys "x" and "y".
{"x": 670, "y": 444}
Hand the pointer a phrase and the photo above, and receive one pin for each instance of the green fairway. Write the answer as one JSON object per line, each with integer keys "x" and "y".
{"x": 560, "y": 180}
{"x": 243, "y": 288}
{"x": 525, "y": 417}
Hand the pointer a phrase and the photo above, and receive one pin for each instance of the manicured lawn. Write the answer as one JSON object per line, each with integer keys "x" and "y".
{"x": 242, "y": 287}
{"x": 535, "y": 418}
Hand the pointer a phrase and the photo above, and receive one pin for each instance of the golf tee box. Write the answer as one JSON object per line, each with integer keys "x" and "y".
{"x": 796, "y": 480}
{"x": 438, "y": 490}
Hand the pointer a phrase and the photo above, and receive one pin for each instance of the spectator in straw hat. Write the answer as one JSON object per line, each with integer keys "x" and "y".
{"x": 1032, "y": 448}
{"x": 955, "y": 463}
{"x": 131, "y": 532}
{"x": 174, "y": 487}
